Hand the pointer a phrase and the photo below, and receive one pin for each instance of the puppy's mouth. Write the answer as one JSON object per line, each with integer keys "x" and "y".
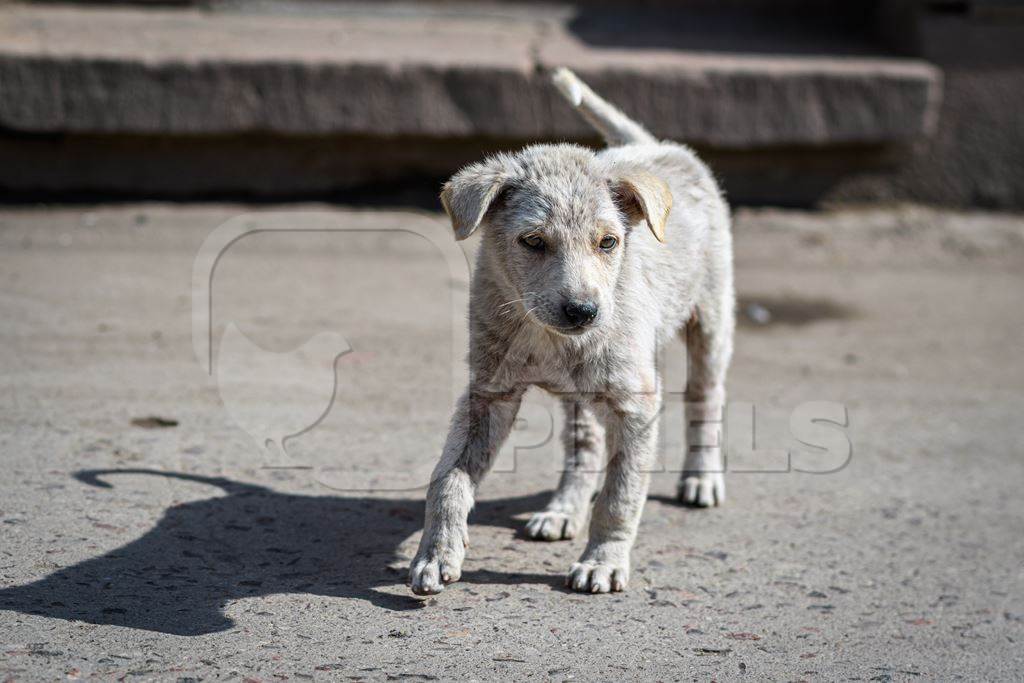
{"x": 572, "y": 330}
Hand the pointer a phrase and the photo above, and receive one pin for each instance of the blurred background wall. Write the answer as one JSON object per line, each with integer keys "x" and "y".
{"x": 793, "y": 102}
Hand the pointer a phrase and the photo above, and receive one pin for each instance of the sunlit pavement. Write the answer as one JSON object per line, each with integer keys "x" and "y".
{"x": 148, "y": 533}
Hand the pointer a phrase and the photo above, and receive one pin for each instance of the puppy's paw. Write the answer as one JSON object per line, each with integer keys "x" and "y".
{"x": 586, "y": 577}
{"x": 433, "y": 568}
{"x": 551, "y": 525}
{"x": 702, "y": 489}
{"x": 603, "y": 569}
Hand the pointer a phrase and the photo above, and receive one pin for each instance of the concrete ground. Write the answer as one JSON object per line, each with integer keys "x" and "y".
{"x": 147, "y": 534}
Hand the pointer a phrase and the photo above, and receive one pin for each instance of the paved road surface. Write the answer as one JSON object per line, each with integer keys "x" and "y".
{"x": 147, "y": 534}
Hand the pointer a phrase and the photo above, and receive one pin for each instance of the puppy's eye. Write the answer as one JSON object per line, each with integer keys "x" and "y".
{"x": 608, "y": 242}
{"x": 532, "y": 242}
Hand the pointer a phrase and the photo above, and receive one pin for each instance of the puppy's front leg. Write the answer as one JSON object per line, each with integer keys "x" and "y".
{"x": 633, "y": 434}
{"x": 480, "y": 425}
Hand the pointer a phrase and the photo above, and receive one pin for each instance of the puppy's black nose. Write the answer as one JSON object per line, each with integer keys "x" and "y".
{"x": 580, "y": 313}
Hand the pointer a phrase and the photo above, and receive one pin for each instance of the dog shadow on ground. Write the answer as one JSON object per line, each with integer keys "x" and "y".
{"x": 252, "y": 541}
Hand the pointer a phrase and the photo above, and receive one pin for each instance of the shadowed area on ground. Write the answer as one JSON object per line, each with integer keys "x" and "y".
{"x": 252, "y": 541}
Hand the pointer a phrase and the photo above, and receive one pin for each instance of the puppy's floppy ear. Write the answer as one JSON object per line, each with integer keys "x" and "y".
{"x": 644, "y": 196}
{"x": 469, "y": 194}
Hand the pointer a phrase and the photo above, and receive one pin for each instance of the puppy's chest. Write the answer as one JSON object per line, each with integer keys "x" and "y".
{"x": 562, "y": 371}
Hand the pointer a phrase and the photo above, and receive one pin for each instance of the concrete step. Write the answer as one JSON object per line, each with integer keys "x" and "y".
{"x": 443, "y": 72}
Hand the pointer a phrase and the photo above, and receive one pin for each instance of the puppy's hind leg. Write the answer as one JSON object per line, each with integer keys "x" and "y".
{"x": 583, "y": 440}
{"x": 708, "y": 338}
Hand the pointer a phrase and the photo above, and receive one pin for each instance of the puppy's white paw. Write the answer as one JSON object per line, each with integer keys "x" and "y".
{"x": 432, "y": 570}
{"x": 602, "y": 569}
{"x": 702, "y": 489}
{"x": 550, "y": 525}
{"x": 588, "y": 577}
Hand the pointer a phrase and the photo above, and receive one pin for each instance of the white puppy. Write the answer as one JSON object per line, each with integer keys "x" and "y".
{"x": 589, "y": 262}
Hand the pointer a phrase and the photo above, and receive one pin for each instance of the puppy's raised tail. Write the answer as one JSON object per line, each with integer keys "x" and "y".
{"x": 614, "y": 126}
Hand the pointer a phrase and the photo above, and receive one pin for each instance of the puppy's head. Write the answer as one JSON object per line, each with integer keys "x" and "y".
{"x": 558, "y": 221}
